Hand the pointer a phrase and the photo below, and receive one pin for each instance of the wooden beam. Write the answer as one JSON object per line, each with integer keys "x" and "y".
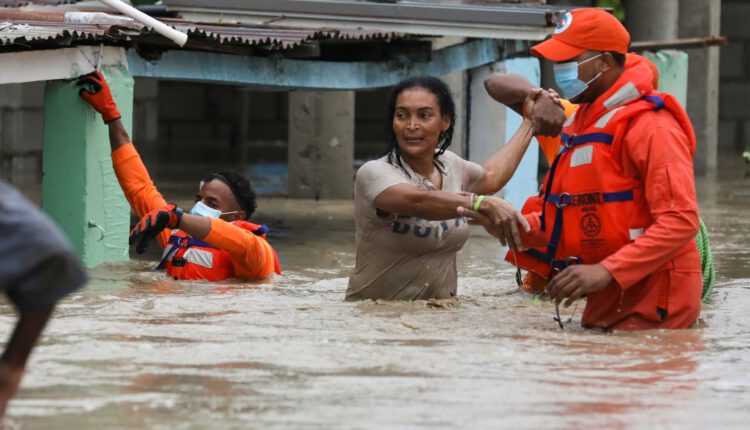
{"x": 416, "y": 51}
{"x": 691, "y": 42}
{"x": 53, "y": 64}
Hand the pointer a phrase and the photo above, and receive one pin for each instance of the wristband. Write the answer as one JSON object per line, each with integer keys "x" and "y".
{"x": 479, "y": 202}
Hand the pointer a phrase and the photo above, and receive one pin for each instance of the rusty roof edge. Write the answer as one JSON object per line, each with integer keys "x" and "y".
{"x": 493, "y": 14}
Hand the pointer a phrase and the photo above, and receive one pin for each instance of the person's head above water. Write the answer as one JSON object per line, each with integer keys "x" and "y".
{"x": 589, "y": 48}
{"x": 225, "y": 195}
{"x": 421, "y": 116}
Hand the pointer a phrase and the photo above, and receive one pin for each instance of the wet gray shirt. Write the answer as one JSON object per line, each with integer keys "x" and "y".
{"x": 404, "y": 257}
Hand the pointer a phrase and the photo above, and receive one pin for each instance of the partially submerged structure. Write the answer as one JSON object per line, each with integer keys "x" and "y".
{"x": 317, "y": 53}
{"x": 320, "y": 50}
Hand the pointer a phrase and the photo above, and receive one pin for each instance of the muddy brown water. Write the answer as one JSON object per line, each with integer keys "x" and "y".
{"x": 135, "y": 350}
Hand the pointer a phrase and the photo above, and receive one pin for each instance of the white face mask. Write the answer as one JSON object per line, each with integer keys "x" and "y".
{"x": 201, "y": 209}
{"x": 566, "y": 76}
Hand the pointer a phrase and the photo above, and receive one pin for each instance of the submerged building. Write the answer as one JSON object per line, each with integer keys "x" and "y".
{"x": 290, "y": 91}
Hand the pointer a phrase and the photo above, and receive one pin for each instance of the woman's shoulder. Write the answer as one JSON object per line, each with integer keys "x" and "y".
{"x": 375, "y": 163}
{"x": 450, "y": 157}
{"x": 452, "y": 160}
{"x": 377, "y": 167}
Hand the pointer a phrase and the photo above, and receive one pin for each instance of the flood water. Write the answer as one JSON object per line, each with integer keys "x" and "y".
{"x": 135, "y": 350}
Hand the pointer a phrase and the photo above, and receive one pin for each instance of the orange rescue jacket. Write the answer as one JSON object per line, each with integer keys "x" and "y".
{"x": 188, "y": 258}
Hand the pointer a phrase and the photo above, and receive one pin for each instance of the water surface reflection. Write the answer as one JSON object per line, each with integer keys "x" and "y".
{"x": 136, "y": 350}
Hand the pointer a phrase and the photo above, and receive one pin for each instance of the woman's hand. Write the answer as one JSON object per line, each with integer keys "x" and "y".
{"x": 500, "y": 219}
{"x": 528, "y": 104}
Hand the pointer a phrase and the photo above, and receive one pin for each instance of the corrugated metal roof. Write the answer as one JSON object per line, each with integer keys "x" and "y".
{"x": 454, "y": 12}
{"x": 22, "y": 34}
{"x": 36, "y": 27}
{"x": 285, "y": 37}
{"x": 48, "y": 28}
{"x": 462, "y": 19}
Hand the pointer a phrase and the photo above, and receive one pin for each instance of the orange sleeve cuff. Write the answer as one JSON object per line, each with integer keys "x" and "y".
{"x": 135, "y": 181}
{"x": 619, "y": 276}
{"x": 136, "y": 184}
{"x": 252, "y": 256}
{"x": 535, "y": 237}
{"x": 124, "y": 152}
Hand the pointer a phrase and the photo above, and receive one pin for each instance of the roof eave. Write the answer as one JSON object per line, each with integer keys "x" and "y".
{"x": 494, "y": 31}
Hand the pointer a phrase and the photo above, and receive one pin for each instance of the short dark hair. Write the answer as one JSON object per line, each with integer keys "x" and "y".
{"x": 619, "y": 58}
{"x": 447, "y": 107}
{"x": 241, "y": 189}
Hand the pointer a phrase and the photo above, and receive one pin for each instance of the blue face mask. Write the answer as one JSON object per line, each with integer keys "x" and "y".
{"x": 566, "y": 76}
{"x": 201, "y": 209}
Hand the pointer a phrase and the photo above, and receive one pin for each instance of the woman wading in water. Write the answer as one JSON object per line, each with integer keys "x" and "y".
{"x": 408, "y": 202}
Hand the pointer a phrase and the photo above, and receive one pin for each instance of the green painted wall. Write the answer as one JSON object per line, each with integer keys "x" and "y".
{"x": 79, "y": 187}
{"x": 673, "y": 72}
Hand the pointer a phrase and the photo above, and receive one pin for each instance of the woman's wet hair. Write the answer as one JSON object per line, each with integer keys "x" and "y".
{"x": 447, "y": 108}
{"x": 241, "y": 189}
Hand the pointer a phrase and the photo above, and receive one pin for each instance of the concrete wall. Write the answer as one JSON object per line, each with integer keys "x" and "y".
{"x": 21, "y": 136}
{"x": 492, "y": 125}
{"x": 321, "y": 144}
{"x": 178, "y": 126}
{"x": 673, "y": 72}
{"x": 146, "y": 120}
{"x": 199, "y": 123}
{"x": 734, "y": 91}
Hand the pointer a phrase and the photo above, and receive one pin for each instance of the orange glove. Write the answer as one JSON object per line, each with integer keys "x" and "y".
{"x": 96, "y": 92}
{"x": 152, "y": 224}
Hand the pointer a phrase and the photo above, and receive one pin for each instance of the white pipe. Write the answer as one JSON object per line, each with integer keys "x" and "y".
{"x": 177, "y": 37}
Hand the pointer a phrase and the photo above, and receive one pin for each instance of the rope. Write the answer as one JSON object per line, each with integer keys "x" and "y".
{"x": 707, "y": 261}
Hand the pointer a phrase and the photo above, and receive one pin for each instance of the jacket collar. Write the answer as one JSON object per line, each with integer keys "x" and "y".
{"x": 634, "y": 83}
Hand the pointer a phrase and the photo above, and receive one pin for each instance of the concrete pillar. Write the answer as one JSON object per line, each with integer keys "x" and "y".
{"x": 457, "y": 82}
{"x": 79, "y": 188}
{"x": 321, "y": 145}
{"x": 492, "y": 125}
{"x": 702, "y": 18}
{"x": 652, "y": 19}
{"x": 243, "y": 129}
{"x": 673, "y": 72}
{"x": 487, "y": 121}
{"x": 146, "y": 121}
{"x": 734, "y": 116}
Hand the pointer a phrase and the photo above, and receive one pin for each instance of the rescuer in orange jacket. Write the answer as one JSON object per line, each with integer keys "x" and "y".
{"x": 214, "y": 241}
{"x": 507, "y": 89}
{"x": 618, "y": 211}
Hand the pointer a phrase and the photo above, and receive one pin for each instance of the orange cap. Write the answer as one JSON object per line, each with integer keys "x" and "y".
{"x": 582, "y": 30}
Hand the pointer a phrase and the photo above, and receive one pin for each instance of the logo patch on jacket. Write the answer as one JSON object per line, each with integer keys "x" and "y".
{"x": 591, "y": 225}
